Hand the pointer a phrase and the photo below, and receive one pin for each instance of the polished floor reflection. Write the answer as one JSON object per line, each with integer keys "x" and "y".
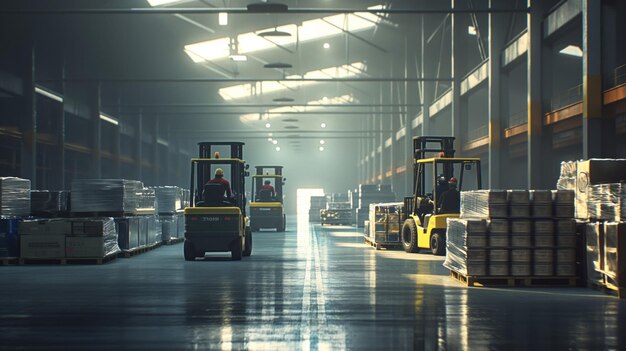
{"x": 310, "y": 288}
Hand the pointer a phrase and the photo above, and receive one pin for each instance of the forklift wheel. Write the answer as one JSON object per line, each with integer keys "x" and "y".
{"x": 189, "y": 251}
{"x": 236, "y": 250}
{"x": 409, "y": 236}
{"x": 438, "y": 244}
{"x": 248, "y": 250}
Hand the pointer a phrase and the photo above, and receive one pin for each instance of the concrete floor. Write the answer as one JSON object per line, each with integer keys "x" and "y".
{"x": 310, "y": 288}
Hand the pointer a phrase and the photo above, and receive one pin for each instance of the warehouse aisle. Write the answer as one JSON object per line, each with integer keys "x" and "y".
{"x": 310, "y": 288}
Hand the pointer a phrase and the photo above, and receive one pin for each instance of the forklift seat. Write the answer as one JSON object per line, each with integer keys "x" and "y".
{"x": 213, "y": 194}
{"x": 264, "y": 195}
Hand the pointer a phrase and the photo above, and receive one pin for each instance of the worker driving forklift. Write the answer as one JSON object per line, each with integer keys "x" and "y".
{"x": 427, "y": 211}
{"x": 266, "y": 209}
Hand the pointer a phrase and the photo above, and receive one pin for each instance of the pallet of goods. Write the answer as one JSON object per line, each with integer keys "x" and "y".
{"x": 514, "y": 238}
{"x": 14, "y": 208}
{"x": 385, "y": 222}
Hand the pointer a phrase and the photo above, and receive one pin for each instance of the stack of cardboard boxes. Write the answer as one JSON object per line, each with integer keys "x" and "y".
{"x": 14, "y": 207}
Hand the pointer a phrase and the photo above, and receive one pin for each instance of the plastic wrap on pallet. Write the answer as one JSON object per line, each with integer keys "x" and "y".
{"x": 101, "y": 245}
{"x": 594, "y": 239}
{"x": 105, "y": 195}
{"x": 169, "y": 227}
{"x": 128, "y": 232}
{"x": 169, "y": 199}
{"x": 14, "y": 197}
{"x": 605, "y": 201}
{"x": 464, "y": 254}
{"x": 49, "y": 203}
{"x": 180, "y": 221}
{"x": 146, "y": 199}
{"x": 484, "y": 204}
{"x": 615, "y": 253}
{"x": 567, "y": 178}
{"x": 386, "y": 222}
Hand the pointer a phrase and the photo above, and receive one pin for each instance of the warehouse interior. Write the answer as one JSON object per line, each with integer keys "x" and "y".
{"x": 116, "y": 117}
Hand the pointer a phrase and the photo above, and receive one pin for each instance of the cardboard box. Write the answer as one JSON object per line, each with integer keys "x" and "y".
{"x": 42, "y": 246}
{"x": 128, "y": 232}
{"x": 595, "y": 171}
{"x": 84, "y": 247}
{"x": 46, "y": 226}
{"x": 88, "y": 227}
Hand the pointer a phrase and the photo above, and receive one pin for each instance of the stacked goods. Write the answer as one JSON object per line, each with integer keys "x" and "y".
{"x": 371, "y": 194}
{"x": 146, "y": 200}
{"x": 385, "y": 222}
{"x": 169, "y": 199}
{"x": 528, "y": 233}
{"x": 607, "y": 202}
{"x": 106, "y": 195}
{"x": 128, "y": 232}
{"x": 47, "y": 204}
{"x": 591, "y": 175}
{"x": 9, "y": 239}
{"x": 567, "y": 178}
{"x": 338, "y": 213}
{"x": 186, "y": 198}
{"x": 180, "y": 220}
{"x": 14, "y": 197}
{"x": 317, "y": 203}
{"x": 466, "y": 247}
{"x": 606, "y": 246}
{"x": 338, "y": 197}
{"x": 68, "y": 238}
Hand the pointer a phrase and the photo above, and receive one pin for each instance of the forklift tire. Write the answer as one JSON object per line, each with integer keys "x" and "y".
{"x": 248, "y": 250}
{"x": 236, "y": 250}
{"x": 409, "y": 236}
{"x": 281, "y": 226}
{"x": 189, "y": 251}
{"x": 438, "y": 244}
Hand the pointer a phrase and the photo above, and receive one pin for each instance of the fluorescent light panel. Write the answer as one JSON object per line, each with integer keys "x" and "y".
{"x": 252, "y": 89}
{"x": 314, "y": 29}
{"x": 239, "y": 58}
{"x": 155, "y": 3}
{"x": 314, "y": 105}
{"x": 109, "y": 119}
{"x": 572, "y": 50}
{"x": 222, "y": 18}
{"x": 48, "y": 94}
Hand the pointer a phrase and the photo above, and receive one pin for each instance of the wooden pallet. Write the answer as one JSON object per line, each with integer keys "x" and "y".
{"x": 67, "y": 260}
{"x": 5, "y": 261}
{"x": 173, "y": 241}
{"x": 138, "y": 250}
{"x": 510, "y": 281}
{"x": 381, "y": 246}
{"x": 102, "y": 214}
{"x": 609, "y": 289}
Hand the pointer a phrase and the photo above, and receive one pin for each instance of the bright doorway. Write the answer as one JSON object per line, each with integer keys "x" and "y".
{"x": 303, "y": 203}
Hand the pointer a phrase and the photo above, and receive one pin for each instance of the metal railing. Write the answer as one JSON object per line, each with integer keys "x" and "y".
{"x": 478, "y": 133}
{"x": 619, "y": 75}
{"x": 568, "y": 97}
{"x": 518, "y": 118}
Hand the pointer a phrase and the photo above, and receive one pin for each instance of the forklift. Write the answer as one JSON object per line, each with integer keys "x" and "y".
{"x": 267, "y": 209}
{"x": 213, "y": 222}
{"x": 425, "y": 223}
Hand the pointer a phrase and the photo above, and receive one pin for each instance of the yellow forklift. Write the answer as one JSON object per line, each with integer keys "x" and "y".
{"x": 267, "y": 208}
{"x": 215, "y": 222}
{"x": 434, "y": 165}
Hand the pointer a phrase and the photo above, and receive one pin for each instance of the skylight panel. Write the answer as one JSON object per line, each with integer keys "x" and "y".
{"x": 210, "y": 50}
{"x": 314, "y": 105}
{"x": 155, "y": 3}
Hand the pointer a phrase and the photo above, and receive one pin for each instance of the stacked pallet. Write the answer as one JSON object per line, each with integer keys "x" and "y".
{"x": 384, "y": 224}
{"x": 14, "y": 207}
{"x": 601, "y": 211}
{"x": 317, "y": 203}
{"x": 49, "y": 204}
{"x": 371, "y": 194}
{"x": 514, "y": 234}
{"x": 170, "y": 202}
{"x": 61, "y": 239}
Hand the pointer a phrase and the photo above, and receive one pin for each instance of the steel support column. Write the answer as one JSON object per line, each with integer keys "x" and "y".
{"x": 96, "y": 133}
{"x": 28, "y": 124}
{"x": 496, "y": 43}
{"x": 457, "y": 76}
{"x": 535, "y": 106}
{"x": 58, "y": 179}
{"x": 139, "y": 146}
{"x": 592, "y": 78}
{"x": 156, "y": 167}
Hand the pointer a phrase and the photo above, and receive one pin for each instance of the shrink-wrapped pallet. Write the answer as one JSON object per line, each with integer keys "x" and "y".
{"x": 605, "y": 202}
{"x": 594, "y": 240}
{"x": 44, "y": 203}
{"x": 615, "y": 253}
{"x": 484, "y": 204}
{"x": 105, "y": 195}
{"x": 14, "y": 197}
{"x": 100, "y": 239}
{"x": 146, "y": 199}
{"x": 567, "y": 178}
{"x": 466, "y": 243}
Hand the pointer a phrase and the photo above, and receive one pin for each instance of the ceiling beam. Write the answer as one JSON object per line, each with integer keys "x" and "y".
{"x": 257, "y": 105}
{"x": 209, "y": 114}
{"x": 239, "y": 80}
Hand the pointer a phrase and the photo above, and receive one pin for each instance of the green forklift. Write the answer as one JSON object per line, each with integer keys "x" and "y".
{"x": 215, "y": 222}
{"x": 267, "y": 208}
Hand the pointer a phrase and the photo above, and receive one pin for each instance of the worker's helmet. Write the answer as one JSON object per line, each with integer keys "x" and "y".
{"x": 219, "y": 172}
{"x": 452, "y": 181}
{"x": 267, "y": 182}
{"x": 442, "y": 179}
{"x": 217, "y": 154}
{"x": 442, "y": 154}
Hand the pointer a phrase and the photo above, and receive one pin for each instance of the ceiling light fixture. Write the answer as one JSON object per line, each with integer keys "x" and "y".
{"x": 222, "y": 18}
{"x": 283, "y": 99}
{"x": 278, "y": 148}
{"x": 572, "y": 50}
{"x": 323, "y": 125}
{"x": 274, "y": 33}
{"x": 267, "y": 125}
{"x": 326, "y": 46}
{"x": 269, "y": 139}
{"x": 471, "y": 30}
{"x": 239, "y": 58}
{"x": 274, "y": 141}
{"x": 109, "y": 119}
{"x": 322, "y": 142}
{"x": 278, "y": 65}
{"x": 321, "y": 148}
{"x": 48, "y": 94}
